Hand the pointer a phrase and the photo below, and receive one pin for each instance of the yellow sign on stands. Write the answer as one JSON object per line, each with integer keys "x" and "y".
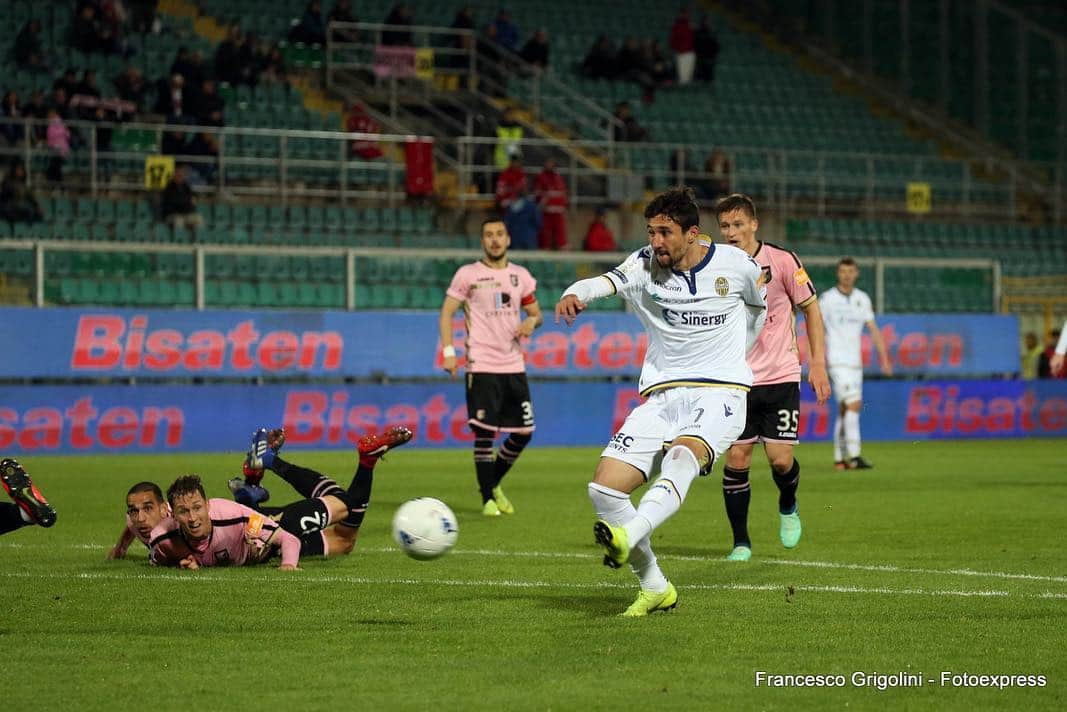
{"x": 157, "y": 171}
{"x": 424, "y": 63}
{"x": 919, "y": 198}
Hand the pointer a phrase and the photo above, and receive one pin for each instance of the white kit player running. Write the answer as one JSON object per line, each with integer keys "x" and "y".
{"x": 703, "y": 306}
{"x": 845, "y": 311}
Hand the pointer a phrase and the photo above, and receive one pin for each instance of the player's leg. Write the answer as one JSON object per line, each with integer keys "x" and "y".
{"x": 836, "y": 387}
{"x": 482, "y": 399}
{"x": 779, "y": 441}
{"x": 517, "y": 420}
{"x": 31, "y": 506}
{"x": 371, "y": 449}
{"x": 736, "y": 495}
{"x": 852, "y": 396}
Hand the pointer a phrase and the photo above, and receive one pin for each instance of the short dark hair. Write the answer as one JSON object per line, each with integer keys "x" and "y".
{"x": 185, "y": 485}
{"x": 736, "y": 201}
{"x": 847, "y": 262}
{"x": 679, "y": 204}
{"x": 147, "y": 487}
{"x": 491, "y": 219}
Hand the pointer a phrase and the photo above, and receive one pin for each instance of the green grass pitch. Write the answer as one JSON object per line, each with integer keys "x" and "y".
{"x": 947, "y": 557}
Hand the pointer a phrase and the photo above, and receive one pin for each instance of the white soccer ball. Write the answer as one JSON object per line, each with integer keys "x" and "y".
{"x": 425, "y": 528}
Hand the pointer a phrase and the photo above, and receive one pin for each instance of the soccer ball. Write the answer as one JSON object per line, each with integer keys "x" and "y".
{"x": 425, "y": 528}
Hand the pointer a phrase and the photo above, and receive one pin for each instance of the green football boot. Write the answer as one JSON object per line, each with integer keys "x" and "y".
{"x": 789, "y": 530}
{"x": 502, "y": 502}
{"x": 651, "y": 601}
{"x": 615, "y": 542}
{"x": 740, "y": 553}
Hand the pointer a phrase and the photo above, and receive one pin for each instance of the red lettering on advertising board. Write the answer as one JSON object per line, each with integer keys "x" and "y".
{"x": 82, "y": 426}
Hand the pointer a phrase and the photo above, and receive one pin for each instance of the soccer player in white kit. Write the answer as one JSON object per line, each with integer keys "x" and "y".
{"x": 845, "y": 311}
{"x": 703, "y": 306}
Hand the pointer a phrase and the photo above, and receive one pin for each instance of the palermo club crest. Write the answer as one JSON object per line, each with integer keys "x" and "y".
{"x": 722, "y": 286}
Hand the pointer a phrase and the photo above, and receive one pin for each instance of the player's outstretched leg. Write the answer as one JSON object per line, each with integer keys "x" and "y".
{"x": 371, "y": 449}
{"x": 25, "y": 494}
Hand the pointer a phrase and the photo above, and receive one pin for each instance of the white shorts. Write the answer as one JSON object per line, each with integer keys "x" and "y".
{"x": 847, "y": 383}
{"x": 714, "y": 416}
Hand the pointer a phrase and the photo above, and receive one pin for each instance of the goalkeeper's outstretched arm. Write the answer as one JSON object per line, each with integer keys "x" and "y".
{"x": 578, "y": 295}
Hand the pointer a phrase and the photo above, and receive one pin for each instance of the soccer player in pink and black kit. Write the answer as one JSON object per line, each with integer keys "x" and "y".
{"x": 774, "y": 401}
{"x": 217, "y": 532}
{"x": 494, "y": 293}
{"x": 145, "y": 509}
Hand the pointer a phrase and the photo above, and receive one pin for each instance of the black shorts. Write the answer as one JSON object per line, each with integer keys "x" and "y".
{"x": 773, "y": 413}
{"x": 499, "y": 402}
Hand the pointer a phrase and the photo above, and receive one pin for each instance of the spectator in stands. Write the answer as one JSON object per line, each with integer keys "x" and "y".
{"x": 706, "y": 46}
{"x": 715, "y": 183}
{"x": 28, "y": 53}
{"x": 399, "y": 15}
{"x": 85, "y": 31}
{"x": 682, "y": 42}
{"x": 88, "y": 86}
{"x": 509, "y": 134}
{"x": 60, "y": 101}
{"x": 177, "y": 204}
{"x": 491, "y": 65}
{"x": 173, "y": 143}
{"x": 19, "y": 203}
{"x": 271, "y": 65}
{"x": 1030, "y": 355}
{"x": 182, "y": 63}
{"x": 69, "y": 82}
{"x": 208, "y": 105}
{"x": 535, "y": 51}
{"x": 630, "y": 67}
{"x": 10, "y": 109}
{"x": 359, "y": 121}
{"x": 37, "y": 108}
{"x": 204, "y": 147}
{"x": 248, "y": 59}
{"x": 630, "y": 130}
{"x": 311, "y": 28}
{"x": 227, "y": 56}
{"x": 507, "y": 32}
{"x": 464, "y": 20}
{"x": 131, "y": 87}
{"x": 342, "y": 12}
{"x": 598, "y": 237}
{"x": 59, "y": 143}
{"x": 171, "y": 100}
{"x": 523, "y": 219}
{"x": 1044, "y": 361}
{"x": 143, "y": 15}
{"x": 511, "y": 183}
{"x": 600, "y": 62}
{"x": 550, "y": 189}
{"x": 656, "y": 64}
{"x": 112, "y": 26}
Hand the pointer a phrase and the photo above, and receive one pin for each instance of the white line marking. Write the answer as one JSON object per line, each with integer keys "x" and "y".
{"x": 884, "y": 568}
{"x": 203, "y": 577}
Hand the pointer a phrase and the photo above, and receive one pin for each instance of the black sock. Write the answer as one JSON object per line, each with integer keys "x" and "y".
{"x": 10, "y": 518}
{"x": 307, "y": 483}
{"x": 507, "y": 453}
{"x": 736, "y": 493}
{"x": 483, "y": 462}
{"x": 787, "y": 488}
{"x": 359, "y": 496}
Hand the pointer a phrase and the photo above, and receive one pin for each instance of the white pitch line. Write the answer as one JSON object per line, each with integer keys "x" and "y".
{"x": 205, "y": 578}
{"x": 882, "y": 568}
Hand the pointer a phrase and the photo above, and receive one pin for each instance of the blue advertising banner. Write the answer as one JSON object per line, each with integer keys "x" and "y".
{"x": 217, "y": 418}
{"x": 64, "y": 343}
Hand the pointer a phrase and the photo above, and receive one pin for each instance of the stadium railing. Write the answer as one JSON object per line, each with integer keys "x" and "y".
{"x": 554, "y": 270}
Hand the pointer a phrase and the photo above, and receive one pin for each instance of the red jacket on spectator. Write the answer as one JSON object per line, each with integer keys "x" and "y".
{"x": 599, "y": 237}
{"x": 551, "y": 190}
{"x": 682, "y": 35}
{"x": 360, "y": 122}
{"x": 511, "y": 182}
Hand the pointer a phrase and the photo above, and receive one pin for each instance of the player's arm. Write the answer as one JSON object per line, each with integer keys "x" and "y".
{"x": 879, "y": 345}
{"x": 290, "y": 547}
{"x": 820, "y": 382}
{"x": 576, "y": 297}
{"x": 122, "y": 545}
{"x": 444, "y": 325}
{"x": 534, "y": 318}
{"x": 754, "y": 295}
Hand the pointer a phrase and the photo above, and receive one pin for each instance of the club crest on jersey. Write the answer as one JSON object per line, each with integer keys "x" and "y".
{"x": 722, "y": 286}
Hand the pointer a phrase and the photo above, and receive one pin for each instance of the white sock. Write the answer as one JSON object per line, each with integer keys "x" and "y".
{"x": 665, "y": 496}
{"x": 852, "y": 434}
{"x": 839, "y": 437}
{"x": 615, "y": 507}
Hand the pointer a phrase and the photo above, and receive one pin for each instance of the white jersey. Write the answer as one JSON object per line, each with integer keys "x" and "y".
{"x": 844, "y": 316}
{"x": 696, "y": 320}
